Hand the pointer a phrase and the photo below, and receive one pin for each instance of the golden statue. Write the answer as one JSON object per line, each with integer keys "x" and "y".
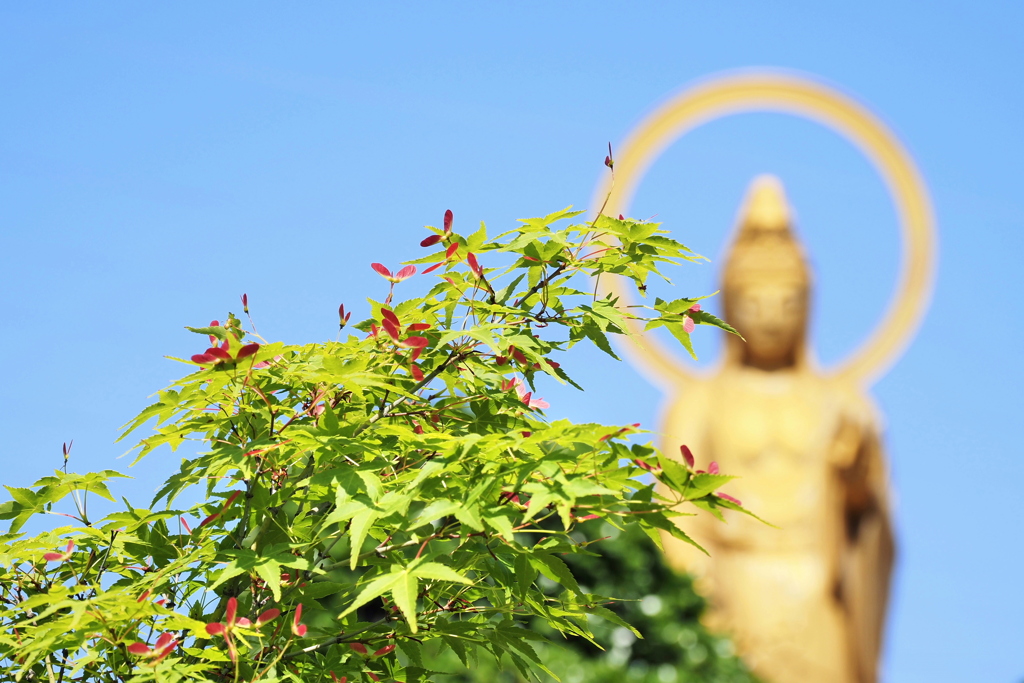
{"x": 806, "y": 601}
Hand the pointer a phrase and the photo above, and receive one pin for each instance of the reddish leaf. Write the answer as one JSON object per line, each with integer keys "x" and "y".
{"x": 430, "y": 241}
{"x": 642, "y": 464}
{"x": 415, "y": 342}
{"x": 448, "y": 216}
{"x": 247, "y": 350}
{"x": 268, "y": 616}
{"x": 687, "y": 455}
{"x": 510, "y": 496}
{"x": 218, "y": 353}
{"x": 232, "y": 609}
{"x": 390, "y": 328}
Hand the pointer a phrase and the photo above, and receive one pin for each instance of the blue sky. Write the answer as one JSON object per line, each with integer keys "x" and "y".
{"x": 156, "y": 162}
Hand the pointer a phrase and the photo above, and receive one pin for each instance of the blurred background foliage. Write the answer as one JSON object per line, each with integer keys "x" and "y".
{"x": 661, "y": 604}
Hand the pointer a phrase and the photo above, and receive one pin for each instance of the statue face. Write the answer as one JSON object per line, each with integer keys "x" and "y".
{"x": 772, "y": 317}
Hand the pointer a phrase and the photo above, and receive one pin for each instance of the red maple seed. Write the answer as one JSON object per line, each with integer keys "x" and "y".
{"x": 247, "y": 350}
{"x": 448, "y": 216}
{"x": 384, "y": 650}
{"x": 713, "y": 468}
{"x": 473, "y": 265}
{"x": 430, "y": 241}
{"x": 390, "y": 328}
{"x": 729, "y": 498}
{"x": 268, "y": 616}
{"x": 687, "y": 455}
{"x": 60, "y": 557}
{"x": 298, "y": 628}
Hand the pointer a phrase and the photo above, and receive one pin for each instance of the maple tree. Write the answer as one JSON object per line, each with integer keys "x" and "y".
{"x": 366, "y": 498}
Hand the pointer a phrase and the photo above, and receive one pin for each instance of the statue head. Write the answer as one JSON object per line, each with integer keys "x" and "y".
{"x": 766, "y": 283}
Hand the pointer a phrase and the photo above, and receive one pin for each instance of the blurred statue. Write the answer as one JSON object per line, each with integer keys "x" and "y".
{"x": 805, "y": 602}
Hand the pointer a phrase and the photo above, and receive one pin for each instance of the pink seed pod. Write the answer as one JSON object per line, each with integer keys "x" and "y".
{"x": 448, "y": 216}
{"x": 247, "y": 350}
{"x": 684, "y": 450}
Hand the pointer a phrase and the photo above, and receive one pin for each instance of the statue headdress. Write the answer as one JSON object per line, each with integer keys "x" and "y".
{"x": 765, "y": 247}
{"x": 764, "y": 250}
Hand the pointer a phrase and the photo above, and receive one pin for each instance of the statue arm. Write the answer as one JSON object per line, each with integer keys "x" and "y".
{"x": 869, "y": 553}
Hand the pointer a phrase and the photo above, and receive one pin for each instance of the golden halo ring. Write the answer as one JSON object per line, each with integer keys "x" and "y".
{"x": 801, "y": 96}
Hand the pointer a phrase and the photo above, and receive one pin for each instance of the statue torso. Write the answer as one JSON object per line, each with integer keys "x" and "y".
{"x": 788, "y": 435}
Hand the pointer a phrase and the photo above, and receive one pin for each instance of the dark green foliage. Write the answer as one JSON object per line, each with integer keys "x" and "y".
{"x": 658, "y": 602}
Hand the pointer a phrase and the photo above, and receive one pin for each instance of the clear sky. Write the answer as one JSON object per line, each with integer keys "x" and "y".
{"x": 157, "y": 161}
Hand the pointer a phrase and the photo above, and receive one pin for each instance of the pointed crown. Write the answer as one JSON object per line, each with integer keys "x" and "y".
{"x": 765, "y": 247}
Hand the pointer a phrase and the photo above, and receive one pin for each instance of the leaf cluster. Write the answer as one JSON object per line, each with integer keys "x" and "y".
{"x": 365, "y": 498}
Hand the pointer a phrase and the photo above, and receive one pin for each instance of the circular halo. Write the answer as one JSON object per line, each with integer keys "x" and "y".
{"x": 801, "y": 96}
